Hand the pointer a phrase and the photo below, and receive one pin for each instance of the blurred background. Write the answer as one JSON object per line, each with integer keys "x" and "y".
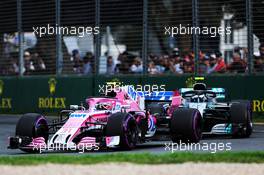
{"x": 132, "y": 37}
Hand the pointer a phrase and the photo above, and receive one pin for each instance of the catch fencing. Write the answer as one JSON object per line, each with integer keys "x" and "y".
{"x": 150, "y": 37}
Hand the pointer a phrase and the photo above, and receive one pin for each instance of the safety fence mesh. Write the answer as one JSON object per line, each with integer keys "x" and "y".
{"x": 110, "y": 37}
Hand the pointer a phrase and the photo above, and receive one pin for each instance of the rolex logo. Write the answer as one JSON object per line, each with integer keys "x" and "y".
{"x": 52, "y": 85}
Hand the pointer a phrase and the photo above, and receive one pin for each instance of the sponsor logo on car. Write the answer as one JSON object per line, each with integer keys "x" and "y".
{"x": 77, "y": 115}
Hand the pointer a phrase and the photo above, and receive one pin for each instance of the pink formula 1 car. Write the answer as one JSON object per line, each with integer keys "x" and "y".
{"x": 117, "y": 120}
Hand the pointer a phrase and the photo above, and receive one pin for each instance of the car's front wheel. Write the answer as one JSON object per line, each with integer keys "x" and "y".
{"x": 32, "y": 126}
{"x": 241, "y": 119}
{"x": 125, "y": 126}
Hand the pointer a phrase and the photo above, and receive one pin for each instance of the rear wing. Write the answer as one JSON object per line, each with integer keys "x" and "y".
{"x": 157, "y": 95}
{"x": 172, "y": 97}
{"x": 220, "y": 92}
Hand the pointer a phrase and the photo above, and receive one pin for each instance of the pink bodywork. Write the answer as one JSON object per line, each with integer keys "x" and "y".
{"x": 175, "y": 103}
{"x": 73, "y": 124}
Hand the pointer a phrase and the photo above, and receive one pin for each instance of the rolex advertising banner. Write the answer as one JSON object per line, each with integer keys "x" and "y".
{"x": 42, "y": 94}
{"x": 52, "y": 94}
{"x": 6, "y": 96}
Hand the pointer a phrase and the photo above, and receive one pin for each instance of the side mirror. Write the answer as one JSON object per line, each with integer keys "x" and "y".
{"x": 76, "y": 107}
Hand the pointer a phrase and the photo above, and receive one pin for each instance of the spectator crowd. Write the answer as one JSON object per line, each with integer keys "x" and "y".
{"x": 126, "y": 63}
{"x": 177, "y": 63}
{"x": 33, "y": 64}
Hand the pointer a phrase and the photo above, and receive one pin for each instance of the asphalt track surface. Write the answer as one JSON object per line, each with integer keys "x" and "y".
{"x": 254, "y": 143}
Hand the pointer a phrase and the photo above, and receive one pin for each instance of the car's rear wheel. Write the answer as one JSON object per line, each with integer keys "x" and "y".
{"x": 125, "y": 126}
{"x": 186, "y": 125}
{"x": 241, "y": 119}
{"x": 32, "y": 125}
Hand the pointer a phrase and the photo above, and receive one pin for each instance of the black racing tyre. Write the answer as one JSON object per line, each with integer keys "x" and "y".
{"x": 246, "y": 102}
{"x": 156, "y": 108}
{"x": 186, "y": 125}
{"x": 32, "y": 125}
{"x": 125, "y": 126}
{"x": 241, "y": 115}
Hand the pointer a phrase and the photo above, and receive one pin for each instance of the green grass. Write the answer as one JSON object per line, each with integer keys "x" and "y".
{"x": 139, "y": 158}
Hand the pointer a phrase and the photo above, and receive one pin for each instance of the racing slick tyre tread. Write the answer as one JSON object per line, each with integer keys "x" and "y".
{"x": 186, "y": 125}
{"x": 125, "y": 126}
{"x": 32, "y": 125}
{"x": 241, "y": 114}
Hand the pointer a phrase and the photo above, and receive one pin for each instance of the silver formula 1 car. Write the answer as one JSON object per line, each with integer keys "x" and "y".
{"x": 200, "y": 112}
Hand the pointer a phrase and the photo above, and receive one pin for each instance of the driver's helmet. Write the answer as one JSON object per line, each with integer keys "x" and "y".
{"x": 104, "y": 106}
{"x": 199, "y": 86}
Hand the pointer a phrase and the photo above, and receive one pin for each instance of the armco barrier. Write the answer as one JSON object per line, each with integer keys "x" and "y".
{"x": 51, "y": 94}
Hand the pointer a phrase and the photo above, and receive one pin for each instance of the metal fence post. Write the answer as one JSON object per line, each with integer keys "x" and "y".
{"x": 20, "y": 38}
{"x": 59, "y": 58}
{"x": 250, "y": 43}
{"x": 195, "y": 40}
{"x": 145, "y": 37}
{"x": 97, "y": 37}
